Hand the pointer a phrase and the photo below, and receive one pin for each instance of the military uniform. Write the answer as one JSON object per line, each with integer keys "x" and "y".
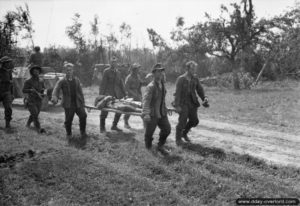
{"x": 111, "y": 85}
{"x": 186, "y": 99}
{"x": 133, "y": 86}
{"x": 72, "y": 102}
{"x": 6, "y": 89}
{"x": 34, "y": 87}
{"x": 155, "y": 106}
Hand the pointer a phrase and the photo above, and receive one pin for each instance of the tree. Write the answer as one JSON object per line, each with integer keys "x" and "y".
{"x": 227, "y": 37}
{"x": 125, "y": 30}
{"x": 75, "y": 34}
{"x": 10, "y": 27}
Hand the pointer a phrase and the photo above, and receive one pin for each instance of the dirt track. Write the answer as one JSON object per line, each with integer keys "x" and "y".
{"x": 275, "y": 147}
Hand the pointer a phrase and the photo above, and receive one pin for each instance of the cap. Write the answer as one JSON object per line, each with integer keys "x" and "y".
{"x": 157, "y": 66}
{"x": 35, "y": 67}
{"x": 67, "y": 64}
{"x": 191, "y": 63}
{"x": 135, "y": 66}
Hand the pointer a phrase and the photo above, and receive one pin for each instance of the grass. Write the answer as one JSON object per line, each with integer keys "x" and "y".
{"x": 116, "y": 169}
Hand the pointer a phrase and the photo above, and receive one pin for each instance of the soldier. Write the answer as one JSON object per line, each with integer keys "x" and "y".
{"x": 73, "y": 100}
{"x": 112, "y": 85}
{"x": 186, "y": 102}
{"x": 154, "y": 109}
{"x": 6, "y": 88}
{"x": 36, "y": 58}
{"x": 35, "y": 88}
{"x": 133, "y": 84}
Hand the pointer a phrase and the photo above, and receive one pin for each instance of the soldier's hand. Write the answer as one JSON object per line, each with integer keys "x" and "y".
{"x": 147, "y": 118}
{"x": 54, "y": 100}
{"x": 205, "y": 102}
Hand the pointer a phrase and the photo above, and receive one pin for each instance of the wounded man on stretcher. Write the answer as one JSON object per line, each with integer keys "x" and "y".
{"x": 124, "y": 105}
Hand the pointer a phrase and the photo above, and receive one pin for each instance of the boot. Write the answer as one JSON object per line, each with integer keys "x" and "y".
{"x": 42, "y": 131}
{"x": 185, "y": 137}
{"x": 7, "y": 124}
{"x": 84, "y": 135}
{"x": 126, "y": 125}
{"x": 29, "y": 121}
{"x": 162, "y": 150}
{"x": 102, "y": 126}
{"x": 116, "y": 128}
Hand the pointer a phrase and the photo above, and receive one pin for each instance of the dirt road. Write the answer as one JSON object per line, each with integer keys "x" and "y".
{"x": 272, "y": 146}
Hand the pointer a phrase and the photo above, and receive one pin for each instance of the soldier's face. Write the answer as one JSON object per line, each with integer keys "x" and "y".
{"x": 35, "y": 72}
{"x": 192, "y": 69}
{"x": 69, "y": 71}
{"x": 114, "y": 63}
{"x": 158, "y": 74}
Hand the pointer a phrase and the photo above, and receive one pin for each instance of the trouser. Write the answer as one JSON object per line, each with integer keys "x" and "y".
{"x": 187, "y": 119}
{"x": 34, "y": 109}
{"x": 69, "y": 115}
{"x": 104, "y": 114}
{"x": 165, "y": 129}
{"x": 6, "y": 99}
{"x": 126, "y": 118}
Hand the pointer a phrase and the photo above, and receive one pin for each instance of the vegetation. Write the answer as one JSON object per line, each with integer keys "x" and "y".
{"x": 236, "y": 42}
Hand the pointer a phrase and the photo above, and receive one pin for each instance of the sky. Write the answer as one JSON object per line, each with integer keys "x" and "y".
{"x": 51, "y": 17}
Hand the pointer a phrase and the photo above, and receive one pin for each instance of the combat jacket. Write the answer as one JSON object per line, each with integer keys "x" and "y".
{"x": 112, "y": 84}
{"x": 186, "y": 91}
{"x": 133, "y": 86}
{"x": 34, "y": 84}
{"x": 6, "y": 84}
{"x": 64, "y": 86}
{"x": 154, "y": 100}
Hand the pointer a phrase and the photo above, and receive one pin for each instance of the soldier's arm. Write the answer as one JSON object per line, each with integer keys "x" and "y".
{"x": 103, "y": 83}
{"x": 80, "y": 89}
{"x": 147, "y": 100}
{"x": 178, "y": 91}
{"x": 27, "y": 88}
{"x": 200, "y": 90}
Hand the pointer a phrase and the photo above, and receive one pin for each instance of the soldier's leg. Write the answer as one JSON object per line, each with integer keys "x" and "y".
{"x": 165, "y": 129}
{"x": 126, "y": 123}
{"x": 103, "y": 116}
{"x": 7, "y": 104}
{"x": 29, "y": 121}
{"x": 150, "y": 128}
{"x": 34, "y": 112}
{"x": 82, "y": 119}
{"x": 69, "y": 115}
{"x": 193, "y": 120}
{"x": 115, "y": 122}
{"x": 182, "y": 121}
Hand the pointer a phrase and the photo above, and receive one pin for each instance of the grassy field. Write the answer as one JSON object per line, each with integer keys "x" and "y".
{"x": 116, "y": 169}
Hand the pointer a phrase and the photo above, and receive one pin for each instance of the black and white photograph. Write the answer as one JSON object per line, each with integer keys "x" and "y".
{"x": 149, "y": 102}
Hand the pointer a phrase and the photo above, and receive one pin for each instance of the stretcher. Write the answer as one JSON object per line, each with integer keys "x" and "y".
{"x": 89, "y": 108}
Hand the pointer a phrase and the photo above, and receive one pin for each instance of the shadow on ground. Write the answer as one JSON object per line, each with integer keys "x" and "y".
{"x": 204, "y": 151}
{"x": 115, "y": 137}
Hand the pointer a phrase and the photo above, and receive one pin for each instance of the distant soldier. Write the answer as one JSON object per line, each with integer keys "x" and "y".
{"x": 133, "y": 84}
{"x": 155, "y": 110}
{"x": 72, "y": 102}
{"x": 6, "y": 88}
{"x": 111, "y": 85}
{"x": 35, "y": 88}
{"x": 36, "y": 58}
{"x": 186, "y": 101}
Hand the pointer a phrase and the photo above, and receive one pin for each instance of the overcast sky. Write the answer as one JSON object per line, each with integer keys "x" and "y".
{"x": 51, "y": 17}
